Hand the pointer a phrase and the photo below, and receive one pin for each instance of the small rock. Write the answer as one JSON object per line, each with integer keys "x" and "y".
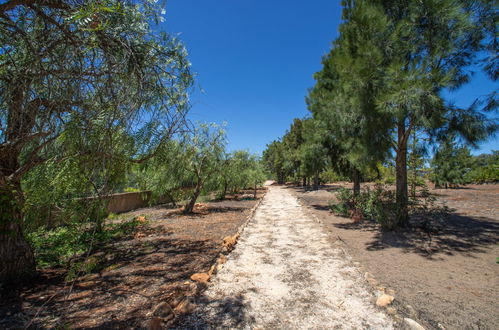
{"x": 413, "y": 325}
{"x": 164, "y": 311}
{"x": 222, "y": 259}
{"x": 187, "y": 305}
{"x": 229, "y": 242}
{"x": 411, "y": 310}
{"x": 368, "y": 275}
{"x": 200, "y": 277}
{"x": 156, "y": 324}
{"x": 213, "y": 270}
{"x": 219, "y": 267}
{"x": 141, "y": 219}
{"x": 391, "y": 310}
{"x": 384, "y": 300}
{"x": 391, "y": 292}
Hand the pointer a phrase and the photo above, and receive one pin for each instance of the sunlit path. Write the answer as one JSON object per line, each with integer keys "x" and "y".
{"x": 285, "y": 274}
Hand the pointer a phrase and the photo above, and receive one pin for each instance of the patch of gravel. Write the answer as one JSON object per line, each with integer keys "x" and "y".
{"x": 285, "y": 274}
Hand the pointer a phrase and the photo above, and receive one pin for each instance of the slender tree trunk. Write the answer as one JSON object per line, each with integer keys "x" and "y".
{"x": 17, "y": 261}
{"x": 316, "y": 181}
{"x": 413, "y": 164}
{"x": 225, "y": 190}
{"x": 356, "y": 182}
{"x": 304, "y": 181}
{"x": 280, "y": 178}
{"x": 401, "y": 176}
{"x": 190, "y": 206}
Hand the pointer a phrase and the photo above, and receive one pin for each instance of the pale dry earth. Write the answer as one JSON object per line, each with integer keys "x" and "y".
{"x": 286, "y": 274}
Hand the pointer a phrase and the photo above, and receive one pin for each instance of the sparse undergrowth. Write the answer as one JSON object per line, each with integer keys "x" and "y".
{"x": 379, "y": 204}
{"x": 62, "y": 245}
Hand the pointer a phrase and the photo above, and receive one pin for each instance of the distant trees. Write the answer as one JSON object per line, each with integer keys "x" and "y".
{"x": 453, "y": 165}
{"x": 275, "y": 160}
{"x": 196, "y": 164}
{"x": 239, "y": 170}
{"x": 484, "y": 168}
{"x": 450, "y": 164}
{"x": 84, "y": 85}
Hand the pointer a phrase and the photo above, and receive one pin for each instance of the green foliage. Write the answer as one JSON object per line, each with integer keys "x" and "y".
{"x": 131, "y": 190}
{"x": 274, "y": 159}
{"x": 387, "y": 173}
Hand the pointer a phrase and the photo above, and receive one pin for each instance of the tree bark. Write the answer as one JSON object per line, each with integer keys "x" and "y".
{"x": 316, "y": 181}
{"x": 190, "y": 206}
{"x": 356, "y": 182}
{"x": 304, "y": 181}
{"x": 17, "y": 261}
{"x": 402, "y": 213}
{"x": 224, "y": 193}
{"x": 280, "y": 177}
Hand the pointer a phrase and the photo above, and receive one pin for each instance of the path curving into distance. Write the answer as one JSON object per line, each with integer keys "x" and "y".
{"x": 285, "y": 274}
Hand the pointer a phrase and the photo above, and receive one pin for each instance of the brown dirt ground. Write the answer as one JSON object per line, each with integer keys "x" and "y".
{"x": 445, "y": 280}
{"x": 136, "y": 272}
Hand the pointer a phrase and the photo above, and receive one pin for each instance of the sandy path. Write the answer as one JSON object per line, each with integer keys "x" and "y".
{"x": 285, "y": 274}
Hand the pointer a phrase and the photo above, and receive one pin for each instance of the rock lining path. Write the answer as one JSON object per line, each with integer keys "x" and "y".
{"x": 286, "y": 274}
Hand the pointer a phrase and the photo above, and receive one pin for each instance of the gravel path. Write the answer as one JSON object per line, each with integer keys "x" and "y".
{"x": 285, "y": 274}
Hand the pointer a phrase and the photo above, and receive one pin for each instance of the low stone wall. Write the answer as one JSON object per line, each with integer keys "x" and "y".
{"x": 124, "y": 202}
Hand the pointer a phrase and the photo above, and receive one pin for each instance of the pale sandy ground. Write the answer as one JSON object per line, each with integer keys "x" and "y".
{"x": 285, "y": 274}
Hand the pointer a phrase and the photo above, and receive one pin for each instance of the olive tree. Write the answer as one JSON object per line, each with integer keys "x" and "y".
{"x": 77, "y": 78}
{"x": 203, "y": 152}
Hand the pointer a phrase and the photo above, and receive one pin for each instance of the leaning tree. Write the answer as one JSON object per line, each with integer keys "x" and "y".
{"x": 77, "y": 79}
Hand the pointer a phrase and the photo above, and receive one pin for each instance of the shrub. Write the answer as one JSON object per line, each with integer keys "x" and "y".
{"x": 345, "y": 202}
{"x": 377, "y": 204}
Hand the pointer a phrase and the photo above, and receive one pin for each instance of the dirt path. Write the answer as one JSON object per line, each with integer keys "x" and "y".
{"x": 285, "y": 274}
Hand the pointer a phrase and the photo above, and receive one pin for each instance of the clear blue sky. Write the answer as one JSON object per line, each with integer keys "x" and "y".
{"x": 255, "y": 59}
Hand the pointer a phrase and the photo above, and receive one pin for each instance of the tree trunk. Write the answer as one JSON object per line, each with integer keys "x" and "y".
{"x": 254, "y": 195}
{"x": 17, "y": 261}
{"x": 304, "y": 181}
{"x": 280, "y": 178}
{"x": 402, "y": 214}
{"x": 224, "y": 193}
{"x": 316, "y": 181}
{"x": 190, "y": 206}
{"x": 356, "y": 182}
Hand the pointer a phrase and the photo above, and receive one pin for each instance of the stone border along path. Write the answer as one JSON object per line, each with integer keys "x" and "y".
{"x": 285, "y": 274}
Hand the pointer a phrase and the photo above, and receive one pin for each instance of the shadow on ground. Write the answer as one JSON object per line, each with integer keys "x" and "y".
{"x": 227, "y": 312}
{"x": 458, "y": 234}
